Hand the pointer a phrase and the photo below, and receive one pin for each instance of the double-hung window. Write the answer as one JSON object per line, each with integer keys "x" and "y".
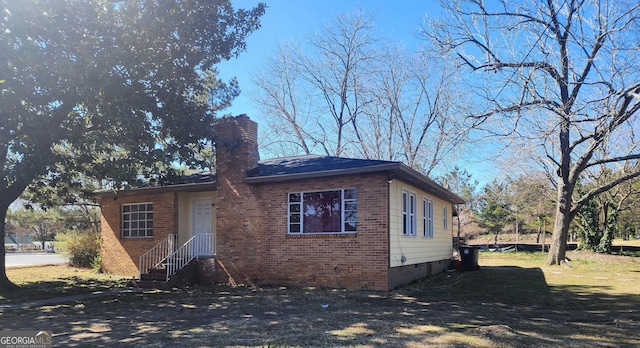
{"x": 427, "y": 217}
{"x": 137, "y": 220}
{"x": 408, "y": 213}
{"x": 332, "y": 211}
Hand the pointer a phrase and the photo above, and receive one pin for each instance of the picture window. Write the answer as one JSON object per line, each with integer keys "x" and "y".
{"x": 332, "y": 211}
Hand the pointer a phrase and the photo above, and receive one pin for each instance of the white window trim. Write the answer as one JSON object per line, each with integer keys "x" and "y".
{"x": 122, "y": 228}
{"x": 342, "y": 211}
{"x": 409, "y": 211}
{"x": 427, "y": 217}
{"x": 445, "y": 217}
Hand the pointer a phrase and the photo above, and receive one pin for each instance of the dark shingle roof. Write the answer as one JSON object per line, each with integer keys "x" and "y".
{"x": 310, "y": 164}
{"x": 198, "y": 178}
{"x": 314, "y": 166}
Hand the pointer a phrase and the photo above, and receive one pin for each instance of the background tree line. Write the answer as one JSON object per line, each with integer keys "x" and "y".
{"x": 71, "y": 222}
{"x": 74, "y": 231}
{"x": 523, "y": 206}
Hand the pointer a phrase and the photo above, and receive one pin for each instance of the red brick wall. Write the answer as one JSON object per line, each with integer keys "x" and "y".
{"x": 121, "y": 255}
{"x": 252, "y": 244}
{"x": 240, "y": 217}
{"x": 357, "y": 261}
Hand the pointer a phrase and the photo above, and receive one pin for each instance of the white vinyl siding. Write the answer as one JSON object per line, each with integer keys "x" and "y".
{"x": 416, "y": 250}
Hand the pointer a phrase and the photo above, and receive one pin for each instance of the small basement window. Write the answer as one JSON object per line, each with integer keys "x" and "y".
{"x": 137, "y": 220}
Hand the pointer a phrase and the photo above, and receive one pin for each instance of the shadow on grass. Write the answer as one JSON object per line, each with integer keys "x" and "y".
{"x": 495, "y": 306}
{"x": 67, "y": 286}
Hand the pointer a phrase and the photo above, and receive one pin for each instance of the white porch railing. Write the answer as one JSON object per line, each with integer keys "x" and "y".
{"x": 158, "y": 254}
{"x": 200, "y": 245}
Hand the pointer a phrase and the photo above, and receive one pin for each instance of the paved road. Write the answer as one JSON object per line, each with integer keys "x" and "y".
{"x": 34, "y": 259}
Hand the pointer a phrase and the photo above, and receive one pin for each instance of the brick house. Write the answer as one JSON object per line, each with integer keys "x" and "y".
{"x": 304, "y": 220}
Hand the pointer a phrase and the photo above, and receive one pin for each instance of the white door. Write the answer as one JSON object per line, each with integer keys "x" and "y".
{"x": 201, "y": 223}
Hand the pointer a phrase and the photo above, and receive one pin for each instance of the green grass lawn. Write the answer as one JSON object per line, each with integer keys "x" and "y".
{"x": 45, "y": 282}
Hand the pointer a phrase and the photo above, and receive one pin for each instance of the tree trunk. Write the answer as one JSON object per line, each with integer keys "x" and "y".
{"x": 558, "y": 245}
{"x": 5, "y": 284}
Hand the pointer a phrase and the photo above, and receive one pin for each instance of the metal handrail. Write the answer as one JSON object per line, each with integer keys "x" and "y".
{"x": 158, "y": 254}
{"x": 200, "y": 245}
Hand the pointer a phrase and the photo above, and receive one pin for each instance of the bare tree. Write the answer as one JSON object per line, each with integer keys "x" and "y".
{"x": 314, "y": 96}
{"x": 563, "y": 76}
{"x": 279, "y": 92}
{"x": 415, "y": 111}
{"x": 349, "y": 92}
{"x": 42, "y": 225}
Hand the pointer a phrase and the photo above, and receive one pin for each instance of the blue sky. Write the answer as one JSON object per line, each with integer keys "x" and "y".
{"x": 294, "y": 20}
{"x": 287, "y": 20}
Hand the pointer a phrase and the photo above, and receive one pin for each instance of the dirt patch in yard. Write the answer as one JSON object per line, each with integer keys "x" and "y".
{"x": 602, "y": 257}
{"x": 233, "y": 317}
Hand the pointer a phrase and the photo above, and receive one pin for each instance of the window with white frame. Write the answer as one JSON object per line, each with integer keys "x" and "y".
{"x": 323, "y": 212}
{"x": 427, "y": 216}
{"x": 408, "y": 213}
{"x": 137, "y": 220}
{"x": 445, "y": 217}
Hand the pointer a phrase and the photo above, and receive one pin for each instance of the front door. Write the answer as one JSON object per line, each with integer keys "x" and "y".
{"x": 201, "y": 223}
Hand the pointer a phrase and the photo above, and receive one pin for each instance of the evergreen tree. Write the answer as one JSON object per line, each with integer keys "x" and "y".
{"x": 494, "y": 211}
{"x": 597, "y": 226}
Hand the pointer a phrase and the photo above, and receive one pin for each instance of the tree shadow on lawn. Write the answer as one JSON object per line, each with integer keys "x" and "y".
{"x": 67, "y": 286}
{"x": 495, "y": 306}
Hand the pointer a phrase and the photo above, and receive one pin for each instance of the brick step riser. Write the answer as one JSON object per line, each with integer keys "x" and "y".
{"x": 151, "y": 284}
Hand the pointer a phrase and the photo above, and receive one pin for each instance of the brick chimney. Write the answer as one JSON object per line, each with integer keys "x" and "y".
{"x": 237, "y": 143}
{"x": 239, "y": 216}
